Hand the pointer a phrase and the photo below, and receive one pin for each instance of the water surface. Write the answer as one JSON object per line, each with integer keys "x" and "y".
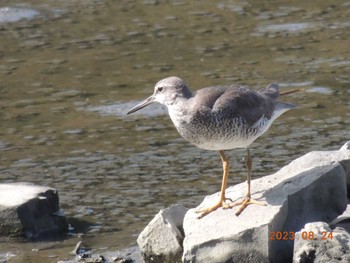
{"x": 70, "y": 72}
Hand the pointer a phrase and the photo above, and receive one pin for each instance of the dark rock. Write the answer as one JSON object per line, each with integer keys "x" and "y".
{"x": 342, "y": 221}
{"x": 30, "y": 210}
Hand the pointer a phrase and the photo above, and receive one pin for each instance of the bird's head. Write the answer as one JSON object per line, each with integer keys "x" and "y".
{"x": 166, "y": 92}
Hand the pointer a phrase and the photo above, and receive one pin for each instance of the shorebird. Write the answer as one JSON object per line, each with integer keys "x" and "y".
{"x": 220, "y": 118}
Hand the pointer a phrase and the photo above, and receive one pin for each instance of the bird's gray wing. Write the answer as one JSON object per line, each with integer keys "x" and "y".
{"x": 241, "y": 102}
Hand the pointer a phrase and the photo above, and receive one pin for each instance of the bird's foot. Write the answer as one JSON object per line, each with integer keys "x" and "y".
{"x": 221, "y": 203}
{"x": 244, "y": 203}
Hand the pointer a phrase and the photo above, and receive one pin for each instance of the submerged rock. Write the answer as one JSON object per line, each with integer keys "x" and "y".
{"x": 30, "y": 210}
{"x": 311, "y": 188}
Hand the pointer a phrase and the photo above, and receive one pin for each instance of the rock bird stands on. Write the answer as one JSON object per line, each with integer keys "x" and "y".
{"x": 219, "y": 118}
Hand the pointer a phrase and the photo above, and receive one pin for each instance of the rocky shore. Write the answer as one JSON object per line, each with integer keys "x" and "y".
{"x": 307, "y": 219}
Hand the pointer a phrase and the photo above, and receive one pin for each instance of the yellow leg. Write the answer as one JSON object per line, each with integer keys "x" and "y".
{"x": 247, "y": 201}
{"x": 222, "y": 201}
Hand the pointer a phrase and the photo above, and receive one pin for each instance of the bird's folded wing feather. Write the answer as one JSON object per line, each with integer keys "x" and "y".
{"x": 238, "y": 101}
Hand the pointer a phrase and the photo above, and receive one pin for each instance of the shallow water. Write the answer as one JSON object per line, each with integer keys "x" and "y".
{"x": 69, "y": 74}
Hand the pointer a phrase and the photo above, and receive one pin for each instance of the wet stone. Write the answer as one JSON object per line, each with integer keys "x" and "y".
{"x": 30, "y": 210}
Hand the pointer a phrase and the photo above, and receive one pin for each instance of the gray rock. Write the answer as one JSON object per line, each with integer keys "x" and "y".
{"x": 317, "y": 243}
{"x": 128, "y": 255}
{"x": 161, "y": 240}
{"x": 30, "y": 210}
{"x": 342, "y": 221}
{"x": 311, "y": 188}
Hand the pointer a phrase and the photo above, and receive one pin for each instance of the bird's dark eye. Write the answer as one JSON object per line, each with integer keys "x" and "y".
{"x": 160, "y": 89}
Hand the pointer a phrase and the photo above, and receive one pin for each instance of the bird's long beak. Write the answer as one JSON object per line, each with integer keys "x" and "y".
{"x": 141, "y": 105}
